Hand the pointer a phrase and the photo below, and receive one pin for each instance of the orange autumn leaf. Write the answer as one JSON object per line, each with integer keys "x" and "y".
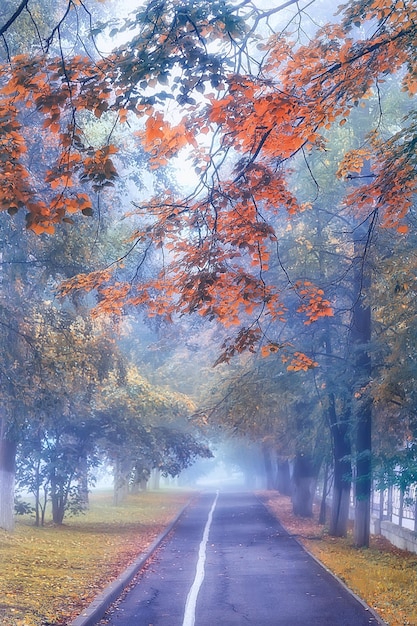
{"x": 402, "y": 229}
{"x": 301, "y": 362}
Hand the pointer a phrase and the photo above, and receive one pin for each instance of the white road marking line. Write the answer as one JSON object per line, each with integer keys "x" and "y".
{"x": 190, "y": 605}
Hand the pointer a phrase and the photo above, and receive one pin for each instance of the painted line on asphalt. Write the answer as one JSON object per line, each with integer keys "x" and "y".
{"x": 190, "y": 605}
{"x": 97, "y": 609}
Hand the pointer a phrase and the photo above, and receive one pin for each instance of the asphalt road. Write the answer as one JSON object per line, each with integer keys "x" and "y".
{"x": 229, "y": 562}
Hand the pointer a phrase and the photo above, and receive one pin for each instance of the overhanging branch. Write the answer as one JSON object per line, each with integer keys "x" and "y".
{"x": 13, "y": 18}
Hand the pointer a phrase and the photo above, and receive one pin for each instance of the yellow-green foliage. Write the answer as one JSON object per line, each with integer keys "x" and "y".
{"x": 49, "y": 574}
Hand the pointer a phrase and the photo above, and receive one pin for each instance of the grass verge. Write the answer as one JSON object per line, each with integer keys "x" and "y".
{"x": 48, "y": 575}
{"x": 382, "y": 575}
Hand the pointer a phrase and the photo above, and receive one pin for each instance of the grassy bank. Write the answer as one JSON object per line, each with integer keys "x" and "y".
{"x": 49, "y": 574}
{"x": 384, "y": 576}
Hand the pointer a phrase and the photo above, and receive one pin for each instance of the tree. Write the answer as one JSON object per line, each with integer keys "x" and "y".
{"x": 260, "y": 110}
{"x": 18, "y": 357}
{"x": 144, "y": 427}
{"x": 336, "y": 75}
{"x": 58, "y": 441}
{"x": 278, "y": 410}
{"x": 392, "y": 387}
{"x": 36, "y": 263}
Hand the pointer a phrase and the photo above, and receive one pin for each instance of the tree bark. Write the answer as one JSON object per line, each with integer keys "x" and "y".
{"x": 83, "y": 481}
{"x": 58, "y": 508}
{"x": 342, "y": 481}
{"x": 304, "y": 481}
{"x": 37, "y": 492}
{"x": 58, "y": 499}
{"x": 267, "y": 453}
{"x": 361, "y": 337}
{"x": 323, "y": 503}
{"x": 340, "y": 509}
{"x": 155, "y": 479}
{"x": 284, "y": 478}
{"x": 363, "y": 478}
{"x": 8, "y": 449}
{"x": 339, "y": 423}
{"x": 122, "y": 470}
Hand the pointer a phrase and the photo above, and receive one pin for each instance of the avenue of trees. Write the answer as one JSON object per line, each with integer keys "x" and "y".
{"x": 287, "y": 260}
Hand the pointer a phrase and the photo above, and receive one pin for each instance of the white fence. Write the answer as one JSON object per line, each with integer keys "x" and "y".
{"x": 393, "y": 515}
{"x": 396, "y": 506}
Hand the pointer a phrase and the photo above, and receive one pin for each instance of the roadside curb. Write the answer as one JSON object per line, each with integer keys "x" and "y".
{"x": 378, "y": 619}
{"x": 97, "y": 609}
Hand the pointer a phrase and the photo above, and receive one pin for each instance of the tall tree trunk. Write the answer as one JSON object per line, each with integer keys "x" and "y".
{"x": 268, "y": 454}
{"x": 363, "y": 477}
{"x": 155, "y": 479}
{"x": 342, "y": 478}
{"x": 83, "y": 482}
{"x": 58, "y": 508}
{"x": 43, "y": 505}
{"x": 122, "y": 470}
{"x": 37, "y": 492}
{"x": 12, "y": 270}
{"x": 57, "y": 500}
{"x": 141, "y": 476}
{"x": 8, "y": 449}
{"x": 339, "y": 517}
{"x": 323, "y": 503}
{"x": 339, "y": 422}
{"x": 284, "y": 478}
{"x": 304, "y": 480}
{"x": 361, "y": 337}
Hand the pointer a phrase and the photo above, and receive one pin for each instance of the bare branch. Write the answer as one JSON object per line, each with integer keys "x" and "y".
{"x": 23, "y": 5}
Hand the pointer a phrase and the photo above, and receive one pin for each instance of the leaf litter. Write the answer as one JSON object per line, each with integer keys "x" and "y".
{"x": 384, "y": 576}
{"x": 48, "y": 575}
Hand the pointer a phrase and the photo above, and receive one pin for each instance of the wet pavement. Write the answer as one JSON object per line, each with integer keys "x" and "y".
{"x": 228, "y": 562}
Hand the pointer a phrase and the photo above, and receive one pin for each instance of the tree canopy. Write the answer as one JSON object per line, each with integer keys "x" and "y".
{"x": 198, "y": 76}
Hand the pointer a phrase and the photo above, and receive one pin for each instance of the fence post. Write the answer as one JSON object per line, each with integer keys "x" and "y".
{"x": 415, "y": 509}
{"x": 401, "y": 509}
{"x": 389, "y": 504}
